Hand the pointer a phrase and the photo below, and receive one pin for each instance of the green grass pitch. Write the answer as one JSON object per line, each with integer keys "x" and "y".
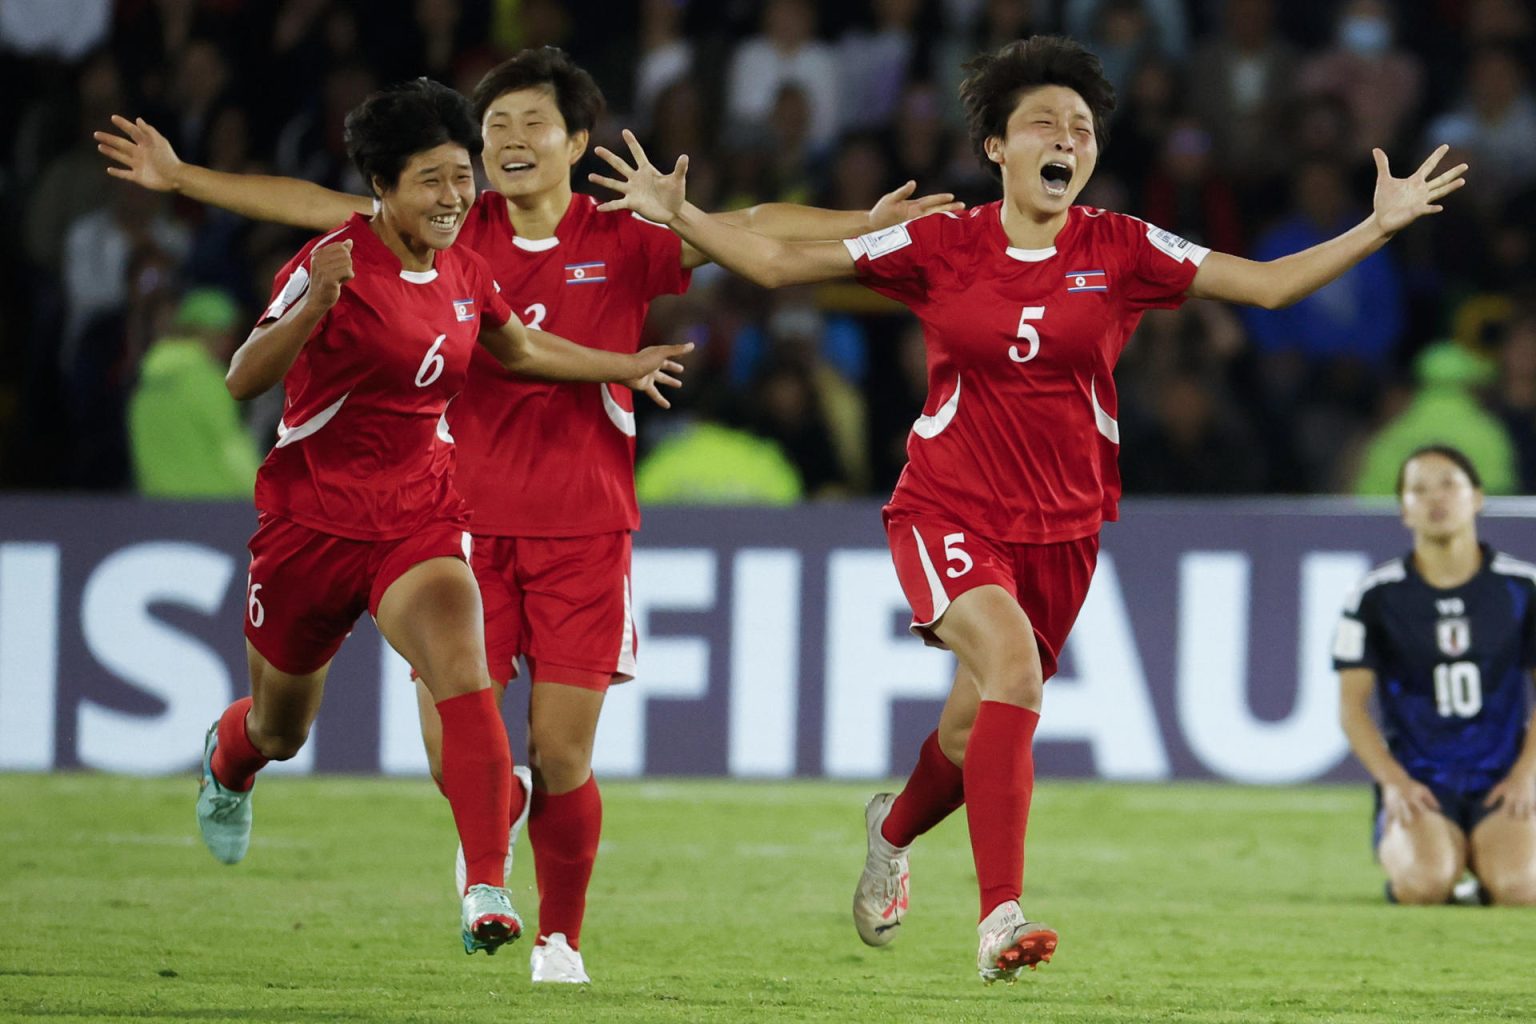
{"x": 727, "y": 901}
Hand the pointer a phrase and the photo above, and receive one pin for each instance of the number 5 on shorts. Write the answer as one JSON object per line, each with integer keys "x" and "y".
{"x": 953, "y": 552}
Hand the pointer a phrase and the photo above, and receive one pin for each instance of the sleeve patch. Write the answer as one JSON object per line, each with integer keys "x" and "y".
{"x": 1175, "y": 247}
{"x": 883, "y": 242}
{"x": 298, "y": 284}
{"x": 1349, "y": 641}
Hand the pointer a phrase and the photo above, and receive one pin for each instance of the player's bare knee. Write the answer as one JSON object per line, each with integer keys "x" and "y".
{"x": 1511, "y": 889}
{"x": 952, "y": 742}
{"x": 562, "y": 765}
{"x": 455, "y": 672}
{"x": 1423, "y": 886}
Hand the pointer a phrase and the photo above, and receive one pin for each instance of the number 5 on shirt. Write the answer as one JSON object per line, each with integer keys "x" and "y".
{"x": 1028, "y": 333}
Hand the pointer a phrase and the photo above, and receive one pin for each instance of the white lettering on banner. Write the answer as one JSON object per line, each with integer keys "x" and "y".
{"x": 765, "y": 662}
{"x": 179, "y": 671}
{"x": 1107, "y": 704}
{"x": 676, "y": 667}
{"x": 869, "y": 664}
{"x": 1212, "y": 674}
{"x": 29, "y": 655}
{"x": 400, "y": 748}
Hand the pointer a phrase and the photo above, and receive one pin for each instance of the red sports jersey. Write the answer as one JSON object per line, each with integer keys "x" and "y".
{"x": 547, "y": 459}
{"x": 362, "y": 450}
{"x": 1018, "y": 437}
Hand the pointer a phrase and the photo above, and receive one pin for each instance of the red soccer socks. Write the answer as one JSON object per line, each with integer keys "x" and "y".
{"x": 477, "y": 779}
{"x": 934, "y": 790}
{"x": 564, "y": 829}
{"x": 999, "y": 778}
{"x": 236, "y": 760}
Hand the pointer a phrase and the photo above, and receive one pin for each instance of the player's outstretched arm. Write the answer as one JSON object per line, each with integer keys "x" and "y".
{"x": 546, "y": 356}
{"x": 271, "y": 348}
{"x": 1402, "y": 796}
{"x": 1276, "y": 283}
{"x": 147, "y": 159}
{"x": 662, "y": 198}
{"x": 790, "y": 222}
{"x": 1517, "y": 790}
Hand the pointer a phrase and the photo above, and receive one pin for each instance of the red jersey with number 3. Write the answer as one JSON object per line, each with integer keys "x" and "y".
{"x": 557, "y": 459}
{"x": 362, "y": 449}
{"x": 1018, "y": 438}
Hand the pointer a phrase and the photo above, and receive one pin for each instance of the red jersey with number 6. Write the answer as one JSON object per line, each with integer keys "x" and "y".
{"x": 362, "y": 449}
{"x": 1018, "y": 438}
{"x": 555, "y": 458}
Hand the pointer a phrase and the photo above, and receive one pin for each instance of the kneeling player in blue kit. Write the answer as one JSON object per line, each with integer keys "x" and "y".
{"x": 1445, "y": 639}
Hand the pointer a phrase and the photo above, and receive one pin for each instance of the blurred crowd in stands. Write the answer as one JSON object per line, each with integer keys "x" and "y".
{"x": 1246, "y": 125}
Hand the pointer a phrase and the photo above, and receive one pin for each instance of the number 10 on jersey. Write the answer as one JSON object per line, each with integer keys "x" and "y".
{"x": 1458, "y": 689}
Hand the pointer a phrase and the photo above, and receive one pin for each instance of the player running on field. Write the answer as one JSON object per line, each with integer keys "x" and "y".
{"x": 370, "y": 331}
{"x": 1444, "y": 639}
{"x": 547, "y": 469}
{"x": 994, "y": 525}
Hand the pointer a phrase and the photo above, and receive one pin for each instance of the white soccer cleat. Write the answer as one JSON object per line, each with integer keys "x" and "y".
{"x": 556, "y": 962}
{"x": 488, "y": 919}
{"x": 524, "y": 778}
{"x": 1010, "y": 942}
{"x": 881, "y": 899}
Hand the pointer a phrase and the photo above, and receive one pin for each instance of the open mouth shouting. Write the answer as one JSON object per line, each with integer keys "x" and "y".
{"x": 1056, "y": 177}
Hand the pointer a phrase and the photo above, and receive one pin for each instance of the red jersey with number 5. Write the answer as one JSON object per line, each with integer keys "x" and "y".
{"x": 554, "y": 458}
{"x": 1018, "y": 438}
{"x": 362, "y": 449}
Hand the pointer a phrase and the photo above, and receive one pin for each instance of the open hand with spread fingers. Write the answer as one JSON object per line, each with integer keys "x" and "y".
{"x": 643, "y": 189}
{"x": 1401, "y": 201}
{"x": 658, "y": 367}
{"x": 897, "y": 206}
{"x": 146, "y": 157}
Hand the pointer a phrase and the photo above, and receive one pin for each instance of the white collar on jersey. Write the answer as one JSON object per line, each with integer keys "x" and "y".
{"x": 1030, "y": 255}
{"x": 535, "y": 244}
{"x": 419, "y": 276}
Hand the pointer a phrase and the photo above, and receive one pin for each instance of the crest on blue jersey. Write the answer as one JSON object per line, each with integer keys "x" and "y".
{"x": 1453, "y": 636}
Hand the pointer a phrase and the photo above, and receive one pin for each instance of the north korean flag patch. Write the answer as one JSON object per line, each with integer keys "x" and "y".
{"x": 463, "y": 310}
{"x": 586, "y": 273}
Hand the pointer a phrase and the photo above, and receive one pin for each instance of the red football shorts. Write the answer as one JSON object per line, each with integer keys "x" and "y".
{"x": 937, "y": 561}
{"x": 307, "y": 588}
{"x": 562, "y": 602}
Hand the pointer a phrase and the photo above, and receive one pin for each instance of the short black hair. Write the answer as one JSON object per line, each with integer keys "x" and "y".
{"x": 580, "y": 101}
{"x": 389, "y": 127}
{"x": 994, "y": 82}
{"x": 1446, "y": 451}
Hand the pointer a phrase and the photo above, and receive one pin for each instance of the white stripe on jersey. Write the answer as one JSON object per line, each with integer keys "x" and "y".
{"x": 287, "y": 435}
{"x": 1504, "y": 565}
{"x": 1107, "y": 424}
{"x": 617, "y": 414}
{"x": 1388, "y": 572}
{"x": 933, "y": 426}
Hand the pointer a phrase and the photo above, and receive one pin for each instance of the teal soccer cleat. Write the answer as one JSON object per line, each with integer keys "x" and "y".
{"x": 489, "y": 920}
{"x": 223, "y": 815}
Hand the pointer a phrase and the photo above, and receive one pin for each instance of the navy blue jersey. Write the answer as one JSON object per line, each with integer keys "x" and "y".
{"x": 1451, "y": 666}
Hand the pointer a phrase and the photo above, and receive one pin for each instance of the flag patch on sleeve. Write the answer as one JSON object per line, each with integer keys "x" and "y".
{"x": 586, "y": 273}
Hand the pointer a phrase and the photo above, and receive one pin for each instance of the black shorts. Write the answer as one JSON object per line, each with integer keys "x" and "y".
{"x": 1461, "y": 807}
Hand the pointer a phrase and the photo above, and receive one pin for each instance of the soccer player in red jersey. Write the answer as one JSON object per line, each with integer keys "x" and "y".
{"x": 370, "y": 330}
{"x": 994, "y": 525}
{"x": 546, "y": 468}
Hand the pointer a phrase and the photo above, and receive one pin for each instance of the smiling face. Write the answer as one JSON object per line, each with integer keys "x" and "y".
{"x": 527, "y": 149}
{"x": 1439, "y": 499}
{"x": 428, "y": 203}
{"x": 1048, "y": 151}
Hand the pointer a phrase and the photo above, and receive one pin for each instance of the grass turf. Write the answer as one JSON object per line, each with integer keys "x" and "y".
{"x": 727, "y": 901}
